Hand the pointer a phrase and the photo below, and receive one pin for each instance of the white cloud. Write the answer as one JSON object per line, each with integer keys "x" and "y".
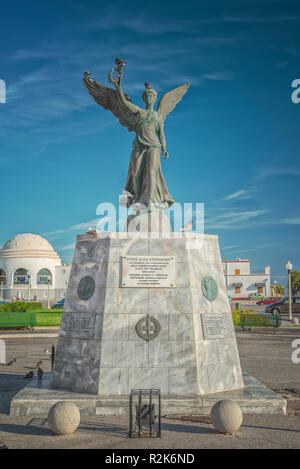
{"x": 68, "y": 247}
{"x": 270, "y": 171}
{"x": 86, "y": 224}
{"x": 231, "y": 220}
{"x": 241, "y": 194}
{"x": 233, "y": 246}
{"x": 218, "y": 76}
{"x": 292, "y": 221}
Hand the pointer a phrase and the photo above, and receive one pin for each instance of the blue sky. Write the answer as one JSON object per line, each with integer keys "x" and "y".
{"x": 233, "y": 140}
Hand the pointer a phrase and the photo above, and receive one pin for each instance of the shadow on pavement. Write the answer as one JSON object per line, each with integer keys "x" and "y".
{"x": 180, "y": 428}
{"x": 281, "y": 429}
{"x": 10, "y": 384}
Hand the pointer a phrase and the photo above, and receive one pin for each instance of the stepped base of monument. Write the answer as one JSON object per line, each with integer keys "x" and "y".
{"x": 37, "y": 398}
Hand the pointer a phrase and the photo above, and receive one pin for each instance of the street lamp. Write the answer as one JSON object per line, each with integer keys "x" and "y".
{"x": 48, "y": 305}
{"x": 289, "y": 267}
{"x": 29, "y": 286}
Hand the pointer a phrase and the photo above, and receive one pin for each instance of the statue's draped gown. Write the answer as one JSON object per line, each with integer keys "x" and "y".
{"x": 145, "y": 180}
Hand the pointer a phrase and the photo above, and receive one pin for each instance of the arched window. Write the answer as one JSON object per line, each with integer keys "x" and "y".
{"x": 44, "y": 277}
{"x": 2, "y": 277}
{"x": 21, "y": 277}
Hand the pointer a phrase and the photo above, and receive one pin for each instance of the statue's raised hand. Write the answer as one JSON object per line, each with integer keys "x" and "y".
{"x": 117, "y": 80}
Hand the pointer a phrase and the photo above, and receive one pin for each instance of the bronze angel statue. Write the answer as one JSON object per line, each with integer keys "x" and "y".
{"x": 145, "y": 185}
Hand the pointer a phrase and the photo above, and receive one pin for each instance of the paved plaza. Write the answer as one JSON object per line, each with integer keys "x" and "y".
{"x": 263, "y": 354}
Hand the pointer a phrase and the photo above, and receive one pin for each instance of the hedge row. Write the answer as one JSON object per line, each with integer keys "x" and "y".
{"x": 251, "y": 319}
{"x": 31, "y": 319}
{"x": 20, "y": 306}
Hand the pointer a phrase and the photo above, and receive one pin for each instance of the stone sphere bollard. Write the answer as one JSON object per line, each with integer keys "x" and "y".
{"x": 226, "y": 416}
{"x": 63, "y": 418}
{"x": 295, "y": 321}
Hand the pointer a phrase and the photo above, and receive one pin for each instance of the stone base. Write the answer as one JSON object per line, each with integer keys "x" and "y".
{"x": 100, "y": 350}
{"x": 37, "y": 398}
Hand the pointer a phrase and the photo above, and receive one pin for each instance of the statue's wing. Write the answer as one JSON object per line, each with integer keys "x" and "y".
{"x": 109, "y": 99}
{"x": 169, "y": 100}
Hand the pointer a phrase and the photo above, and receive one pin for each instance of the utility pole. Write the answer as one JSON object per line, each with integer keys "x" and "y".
{"x": 289, "y": 267}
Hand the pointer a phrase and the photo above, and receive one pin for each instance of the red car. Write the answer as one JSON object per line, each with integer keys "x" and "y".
{"x": 268, "y": 301}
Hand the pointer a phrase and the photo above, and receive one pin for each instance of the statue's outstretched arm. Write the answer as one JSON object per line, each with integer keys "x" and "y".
{"x": 128, "y": 104}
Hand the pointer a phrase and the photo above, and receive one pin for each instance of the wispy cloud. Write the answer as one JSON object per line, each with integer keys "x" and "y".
{"x": 292, "y": 221}
{"x": 85, "y": 225}
{"x": 68, "y": 247}
{"x": 276, "y": 171}
{"x": 240, "y": 194}
{"x": 139, "y": 24}
{"x": 260, "y": 19}
{"x": 79, "y": 227}
{"x": 236, "y": 219}
{"x": 218, "y": 76}
{"x": 249, "y": 19}
{"x": 230, "y": 247}
{"x": 257, "y": 247}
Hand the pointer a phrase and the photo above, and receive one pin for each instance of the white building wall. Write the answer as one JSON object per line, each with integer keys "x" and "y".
{"x": 60, "y": 277}
{"x": 247, "y": 282}
{"x": 231, "y": 266}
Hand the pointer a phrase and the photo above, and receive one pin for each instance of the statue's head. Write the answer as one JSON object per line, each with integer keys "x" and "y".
{"x": 149, "y": 96}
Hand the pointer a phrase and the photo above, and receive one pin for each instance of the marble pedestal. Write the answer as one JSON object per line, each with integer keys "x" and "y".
{"x": 99, "y": 351}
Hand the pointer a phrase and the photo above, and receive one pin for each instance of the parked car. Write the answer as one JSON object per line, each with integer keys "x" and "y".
{"x": 60, "y": 304}
{"x": 256, "y": 296}
{"x": 268, "y": 301}
{"x": 282, "y": 306}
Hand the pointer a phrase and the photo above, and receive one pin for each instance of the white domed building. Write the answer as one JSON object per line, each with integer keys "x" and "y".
{"x": 31, "y": 269}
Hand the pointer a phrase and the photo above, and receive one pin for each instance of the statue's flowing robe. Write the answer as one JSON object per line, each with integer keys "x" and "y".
{"x": 145, "y": 180}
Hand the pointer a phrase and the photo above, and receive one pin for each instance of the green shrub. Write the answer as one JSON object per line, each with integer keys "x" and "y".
{"x": 249, "y": 319}
{"x": 21, "y": 307}
{"x": 42, "y": 318}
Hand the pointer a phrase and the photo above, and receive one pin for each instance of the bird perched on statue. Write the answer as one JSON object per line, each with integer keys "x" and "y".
{"x": 119, "y": 63}
{"x": 29, "y": 375}
{"x": 91, "y": 231}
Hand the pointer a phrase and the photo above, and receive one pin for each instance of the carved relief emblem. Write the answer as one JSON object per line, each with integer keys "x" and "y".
{"x": 209, "y": 288}
{"x": 148, "y": 328}
{"x": 86, "y": 288}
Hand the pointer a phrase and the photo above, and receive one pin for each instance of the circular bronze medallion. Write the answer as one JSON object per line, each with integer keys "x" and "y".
{"x": 209, "y": 288}
{"x": 86, "y": 288}
{"x": 148, "y": 328}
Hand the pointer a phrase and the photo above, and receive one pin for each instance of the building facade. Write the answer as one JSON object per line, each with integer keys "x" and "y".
{"x": 241, "y": 282}
{"x": 30, "y": 269}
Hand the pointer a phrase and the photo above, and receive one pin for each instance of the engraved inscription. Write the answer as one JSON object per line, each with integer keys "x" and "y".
{"x": 86, "y": 288}
{"x": 80, "y": 325}
{"x": 148, "y": 271}
{"x": 214, "y": 326}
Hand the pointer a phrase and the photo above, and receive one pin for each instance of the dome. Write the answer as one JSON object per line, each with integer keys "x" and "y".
{"x": 28, "y": 245}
